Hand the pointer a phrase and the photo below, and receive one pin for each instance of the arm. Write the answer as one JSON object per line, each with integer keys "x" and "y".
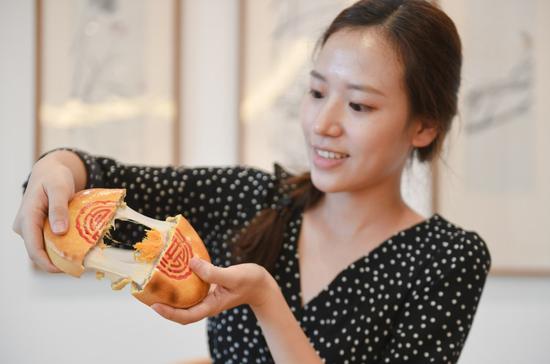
{"x": 217, "y": 201}
{"x": 205, "y": 196}
{"x": 249, "y": 284}
{"x": 437, "y": 315}
{"x": 285, "y": 338}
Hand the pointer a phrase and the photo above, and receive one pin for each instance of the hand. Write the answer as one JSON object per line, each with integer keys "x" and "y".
{"x": 51, "y": 186}
{"x": 233, "y": 286}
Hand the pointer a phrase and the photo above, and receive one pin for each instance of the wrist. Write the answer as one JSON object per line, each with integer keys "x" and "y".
{"x": 61, "y": 165}
{"x": 74, "y": 164}
{"x": 268, "y": 295}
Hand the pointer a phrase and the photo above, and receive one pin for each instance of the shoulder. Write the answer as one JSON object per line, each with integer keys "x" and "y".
{"x": 457, "y": 246}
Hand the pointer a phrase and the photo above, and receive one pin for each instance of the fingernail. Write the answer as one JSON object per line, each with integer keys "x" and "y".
{"x": 59, "y": 226}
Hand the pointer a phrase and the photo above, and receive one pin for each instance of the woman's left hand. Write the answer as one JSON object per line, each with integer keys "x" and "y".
{"x": 232, "y": 286}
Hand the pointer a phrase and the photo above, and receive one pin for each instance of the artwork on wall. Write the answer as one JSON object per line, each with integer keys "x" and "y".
{"x": 107, "y": 78}
{"x": 496, "y": 177}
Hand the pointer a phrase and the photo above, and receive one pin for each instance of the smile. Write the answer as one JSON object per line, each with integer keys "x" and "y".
{"x": 329, "y": 154}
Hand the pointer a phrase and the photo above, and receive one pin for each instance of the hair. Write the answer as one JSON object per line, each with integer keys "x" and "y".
{"x": 427, "y": 43}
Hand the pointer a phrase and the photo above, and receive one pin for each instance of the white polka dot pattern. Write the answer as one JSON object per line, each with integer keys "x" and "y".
{"x": 411, "y": 300}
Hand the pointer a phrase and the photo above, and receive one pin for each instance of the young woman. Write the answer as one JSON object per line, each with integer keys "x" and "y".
{"x": 331, "y": 265}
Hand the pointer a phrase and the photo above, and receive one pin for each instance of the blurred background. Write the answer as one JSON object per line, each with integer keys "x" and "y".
{"x": 219, "y": 82}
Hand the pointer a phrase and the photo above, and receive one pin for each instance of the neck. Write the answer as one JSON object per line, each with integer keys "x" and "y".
{"x": 352, "y": 213}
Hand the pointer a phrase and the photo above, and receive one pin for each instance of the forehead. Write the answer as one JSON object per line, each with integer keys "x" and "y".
{"x": 360, "y": 56}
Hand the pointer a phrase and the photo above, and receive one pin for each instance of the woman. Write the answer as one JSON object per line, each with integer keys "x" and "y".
{"x": 331, "y": 265}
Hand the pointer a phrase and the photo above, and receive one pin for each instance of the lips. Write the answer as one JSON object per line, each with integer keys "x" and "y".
{"x": 327, "y": 159}
{"x": 329, "y": 154}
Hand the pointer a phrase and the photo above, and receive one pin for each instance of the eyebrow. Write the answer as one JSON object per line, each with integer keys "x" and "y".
{"x": 351, "y": 86}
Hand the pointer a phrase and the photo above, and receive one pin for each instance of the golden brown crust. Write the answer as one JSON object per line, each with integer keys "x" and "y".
{"x": 90, "y": 215}
{"x": 172, "y": 281}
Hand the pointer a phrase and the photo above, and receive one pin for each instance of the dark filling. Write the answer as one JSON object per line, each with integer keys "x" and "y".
{"x": 124, "y": 234}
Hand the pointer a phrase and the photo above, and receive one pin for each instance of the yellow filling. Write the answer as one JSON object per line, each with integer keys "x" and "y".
{"x": 149, "y": 249}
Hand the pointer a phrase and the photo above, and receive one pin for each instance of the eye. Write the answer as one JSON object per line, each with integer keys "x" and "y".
{"x": 360, "y": 107}
{"x": 316, "y": 94}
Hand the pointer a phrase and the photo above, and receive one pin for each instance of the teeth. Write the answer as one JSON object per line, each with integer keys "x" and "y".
{"x": 330, "y": 155}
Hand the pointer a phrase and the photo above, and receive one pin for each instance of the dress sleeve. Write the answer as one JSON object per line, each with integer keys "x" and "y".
{"x": 216, "y": 200}
{"x": 437, "y": 315}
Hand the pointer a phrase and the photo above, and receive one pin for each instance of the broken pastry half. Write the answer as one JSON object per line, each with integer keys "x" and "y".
{"x": 157, "y": 268}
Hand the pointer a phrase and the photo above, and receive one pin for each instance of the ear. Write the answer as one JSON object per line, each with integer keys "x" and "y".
{"x": 423, "y": 133}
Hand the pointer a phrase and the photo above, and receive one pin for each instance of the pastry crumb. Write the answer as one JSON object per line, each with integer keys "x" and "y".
{"x": 120, "y": 284}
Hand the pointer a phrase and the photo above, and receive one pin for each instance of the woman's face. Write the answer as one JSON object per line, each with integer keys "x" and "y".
{"x": 355, "y": 118}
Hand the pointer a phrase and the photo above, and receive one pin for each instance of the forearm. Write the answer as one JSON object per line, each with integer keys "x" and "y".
{"x": 285, "y": 338}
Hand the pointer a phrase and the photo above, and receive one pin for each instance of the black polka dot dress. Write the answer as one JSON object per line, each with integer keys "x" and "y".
{"x": 411, "y": 300}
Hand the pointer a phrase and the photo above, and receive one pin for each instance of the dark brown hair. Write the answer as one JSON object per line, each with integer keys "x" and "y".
{"x": 427, "y": 43}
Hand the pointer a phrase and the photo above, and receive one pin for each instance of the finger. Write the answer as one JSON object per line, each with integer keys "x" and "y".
{"x": 22, "y": 213}
{"x": 34, "y": 242}
{"x": 58, "y": 209}
{"x": 208, "y": 272}
{"x": 185, "y": 316}
{"x": 16, "y": 226}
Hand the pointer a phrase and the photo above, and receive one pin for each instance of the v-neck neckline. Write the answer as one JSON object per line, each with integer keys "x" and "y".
{"x": 338, "y": 277}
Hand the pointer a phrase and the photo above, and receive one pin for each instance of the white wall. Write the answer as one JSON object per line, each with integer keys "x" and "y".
{"x": 512, "y": 325}
{"x": 57, "y": 319}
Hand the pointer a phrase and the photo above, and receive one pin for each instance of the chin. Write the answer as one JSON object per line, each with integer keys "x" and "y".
{"x": 326, "y": 184}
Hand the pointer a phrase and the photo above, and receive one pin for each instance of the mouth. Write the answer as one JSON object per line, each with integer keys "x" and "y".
{"x": 329, "y": 154}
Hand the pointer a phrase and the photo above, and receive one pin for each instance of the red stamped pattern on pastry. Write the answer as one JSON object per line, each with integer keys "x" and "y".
{"x": 93, "y": 218}
{"x": 175, "y": 261}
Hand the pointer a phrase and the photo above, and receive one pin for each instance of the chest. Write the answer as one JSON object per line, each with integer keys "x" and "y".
{"x": 322, "y": 257}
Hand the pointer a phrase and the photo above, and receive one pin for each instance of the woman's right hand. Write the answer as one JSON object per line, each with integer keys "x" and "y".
{"x": 53, "y": 182}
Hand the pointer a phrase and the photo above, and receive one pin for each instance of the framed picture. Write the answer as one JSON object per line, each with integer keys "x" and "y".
{"x": 496, "y": 177}
{"x": 107, "y": 75}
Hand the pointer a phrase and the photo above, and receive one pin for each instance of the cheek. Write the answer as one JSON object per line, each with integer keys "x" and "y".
{"x": 367, "y": 137}
{"x": 381, "y": 143}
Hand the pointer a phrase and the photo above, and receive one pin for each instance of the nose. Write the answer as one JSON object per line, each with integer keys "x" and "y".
{"x": 328, "y": 121}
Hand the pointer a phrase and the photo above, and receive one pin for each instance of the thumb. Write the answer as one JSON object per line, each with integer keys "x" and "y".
{"x": 207, "y": 271}
{"x": 58, "y": 214}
